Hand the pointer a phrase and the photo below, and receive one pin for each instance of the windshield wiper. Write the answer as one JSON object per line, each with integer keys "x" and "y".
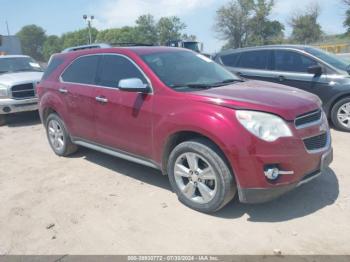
{"x": 192, "y": 85}
{"x": 227, "y": 81}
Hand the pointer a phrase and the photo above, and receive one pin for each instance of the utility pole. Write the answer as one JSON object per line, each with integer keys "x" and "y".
{"x": 89, "y": 21}
{"x": 7, "y": 27}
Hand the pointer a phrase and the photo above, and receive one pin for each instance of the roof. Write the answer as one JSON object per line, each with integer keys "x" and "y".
{"x": 229, "y": 51}
{"x": 12, "y": 56}
{"x": 139, "y": 50}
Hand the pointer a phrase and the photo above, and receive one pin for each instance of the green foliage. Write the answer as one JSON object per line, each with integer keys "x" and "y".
{"x": 347, "y": 20}
{"x": 169, "y": 29}
{"x": 306, "y": 29}
{"x": 79, "y": 37}
{"x": 232, "y": 22}
{"x": 262, "y": 31}
{"x": 52, "y": 45}
{"x": 246, "y": 22}
{"x": 146, "y": 29}
{"x": 32, "y": 38}
{"x": 125, "y": 34}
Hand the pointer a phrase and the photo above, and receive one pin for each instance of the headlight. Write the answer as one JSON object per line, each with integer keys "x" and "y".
{"x": 266, "y": 126}
{"x": 3, "y": 91}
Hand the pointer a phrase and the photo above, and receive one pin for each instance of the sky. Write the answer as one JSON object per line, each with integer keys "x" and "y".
{"x": 58, "y": 17}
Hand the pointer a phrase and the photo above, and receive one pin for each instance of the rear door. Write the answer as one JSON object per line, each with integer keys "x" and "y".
{"x": 123, "y": 119}
{"x": 76, "y": 88}
{"x": 250, "y": 64}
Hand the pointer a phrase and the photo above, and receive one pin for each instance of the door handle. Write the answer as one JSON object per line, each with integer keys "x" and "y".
{"x": 63, "y": 91}
{"x": 101, "y": 99}
{"x": 281, "y": 78}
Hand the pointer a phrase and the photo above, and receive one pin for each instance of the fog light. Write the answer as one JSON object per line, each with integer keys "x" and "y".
{"x": 272, "y": 173}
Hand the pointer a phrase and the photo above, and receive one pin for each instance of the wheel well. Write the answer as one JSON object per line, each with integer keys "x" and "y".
{"x": 183, "y": 136}
{"x": 336, "y": 101}
{"x": 46, "y": 113}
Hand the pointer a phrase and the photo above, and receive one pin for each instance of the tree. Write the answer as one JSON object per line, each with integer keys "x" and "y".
{"x": 125, "y": 34}
{"x": 305, "y": 27}
{"x": 232, "y": 22}
{"x": 79, "y": 37}
{"x": 189, "y": 37}
{"x": 347, "y": 15}
{"x": 262, "y": 30}
{"x": 32, "y": 38}
{"x": 169, "y": 29}
{"x": 52, "y": 45}
{"x": 146, "y": 29}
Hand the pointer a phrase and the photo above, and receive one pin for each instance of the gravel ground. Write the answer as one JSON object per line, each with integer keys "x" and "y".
{"x": 91, "y": 203}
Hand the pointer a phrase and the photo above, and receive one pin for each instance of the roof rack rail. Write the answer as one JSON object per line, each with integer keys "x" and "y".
{"x": 130, "y": 44}
{"x": 84, "y": 47}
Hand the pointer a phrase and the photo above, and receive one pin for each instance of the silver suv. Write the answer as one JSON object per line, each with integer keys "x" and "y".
{"x": 19, "y": 76}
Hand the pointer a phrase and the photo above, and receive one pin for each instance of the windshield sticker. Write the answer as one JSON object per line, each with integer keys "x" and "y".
{"x": 206, "y": 59}
{"x": 34, "y": 65}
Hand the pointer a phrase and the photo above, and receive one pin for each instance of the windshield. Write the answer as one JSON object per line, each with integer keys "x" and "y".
{"x": 18, "y": 64}
{"x": 187, "y": 69}
{"x": 195, "y": 46}
{"x": 329, "y": 58}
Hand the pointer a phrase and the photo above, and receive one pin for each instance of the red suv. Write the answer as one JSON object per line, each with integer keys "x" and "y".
{"x": 211, "y": 132}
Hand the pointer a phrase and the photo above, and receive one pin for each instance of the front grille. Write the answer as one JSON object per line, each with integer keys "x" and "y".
{"x": 316, "y": 142}
{"x": 308, "y": 118}
{"x": 23, "y": 91}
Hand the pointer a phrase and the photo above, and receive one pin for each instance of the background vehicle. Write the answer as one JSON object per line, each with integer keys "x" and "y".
{"x": 304, "y": 67}
{"x": 178, "y": 111}
{"x": 188, "y": 44}
{"x": 19, "y": 76}
{"x": 10, "y": 45}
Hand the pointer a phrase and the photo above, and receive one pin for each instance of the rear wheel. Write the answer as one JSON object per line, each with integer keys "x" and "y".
{"x": 200, "y": 176}
{"x": 58, "y": 136}
{"x": 341, "y": 114}
{"x": 2, "y": 120}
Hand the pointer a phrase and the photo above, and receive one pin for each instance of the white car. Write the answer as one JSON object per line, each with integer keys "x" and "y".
{"x": 19, "y": 76}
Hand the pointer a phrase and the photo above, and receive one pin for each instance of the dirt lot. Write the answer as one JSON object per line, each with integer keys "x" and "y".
{"x": 93, "y": 203}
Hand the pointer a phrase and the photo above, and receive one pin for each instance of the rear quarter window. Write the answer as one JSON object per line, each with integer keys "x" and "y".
{"x": 55, "y": 62}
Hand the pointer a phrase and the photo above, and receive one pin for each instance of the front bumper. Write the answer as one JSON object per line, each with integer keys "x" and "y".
{"x": 9, "y": 106}
{"x": 261, "y": 195}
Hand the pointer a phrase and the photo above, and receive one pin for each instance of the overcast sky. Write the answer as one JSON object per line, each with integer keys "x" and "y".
{"x": 57, "y": 17}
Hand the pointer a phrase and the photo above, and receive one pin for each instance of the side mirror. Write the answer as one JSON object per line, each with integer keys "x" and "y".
{"x": 315, "y": 70}
{"x": 133, "y": 85}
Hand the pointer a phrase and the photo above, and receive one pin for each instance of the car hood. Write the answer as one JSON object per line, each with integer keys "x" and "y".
{"x": 11, "y": 79}
{"x": 278, "y": 99}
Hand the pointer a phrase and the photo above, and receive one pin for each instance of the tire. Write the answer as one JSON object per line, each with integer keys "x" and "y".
{"x": 192, "y": 184}
{"x": 58, "y": 137}
{"x": 2, "y": 120}
{"x": 342, "y": 107}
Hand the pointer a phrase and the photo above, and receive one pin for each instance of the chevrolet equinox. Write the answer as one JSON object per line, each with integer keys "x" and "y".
{"x": 211, "y": 132}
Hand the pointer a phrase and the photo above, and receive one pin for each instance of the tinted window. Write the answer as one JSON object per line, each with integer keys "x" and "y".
{"x": 230, "y": 60}
{"x": 54, "y": 63}
{"x": 254, "y": 59}
{"x": 19, "y": 64}
{"x": 292, "y": 61}
{"x": 82, "y": 70}
{"x": 113, "y": 68}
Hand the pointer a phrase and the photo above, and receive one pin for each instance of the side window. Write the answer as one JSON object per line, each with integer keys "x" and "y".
{"x": 292, "y": 61}
{"x": 113, "y": 68}
{"x": 230, "y": 60}
{"x": 254, "y": 59}
{"x": 82, "y": 70}
{"x": 53, "y": 65}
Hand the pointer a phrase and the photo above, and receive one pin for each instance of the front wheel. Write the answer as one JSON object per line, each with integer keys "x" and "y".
{"x": 200, "y": 176}
{"x": 341, "y": 114}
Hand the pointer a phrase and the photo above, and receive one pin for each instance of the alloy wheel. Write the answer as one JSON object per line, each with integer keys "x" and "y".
{"x": 343, "y": 115}
{"x": 195, "y": 177}
{"x": 56, "y": 135}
